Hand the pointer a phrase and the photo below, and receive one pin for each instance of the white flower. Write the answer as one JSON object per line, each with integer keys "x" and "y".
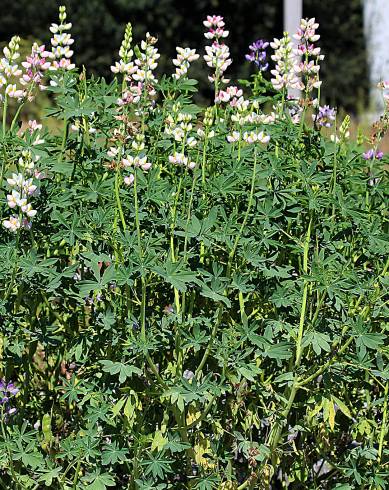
{"x": 234, "y": 137}
{"x": 129, "y": 179}
{"x": 13, "y": 199}
{"x": 185, "y": 56}
{"x": 12, "y": 224}
{"x": 252, "y": 137}
{"x": 191, "y": 142}
{"x": 13, "y": 92}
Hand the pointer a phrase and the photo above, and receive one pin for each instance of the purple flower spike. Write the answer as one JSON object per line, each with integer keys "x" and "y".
{"x": 379, "y": 155}
{"x": 257, "y": 54}
{"x": 7, "y": 391}
{"x": 372, "y": 154}
{"x": 325, "y": 116}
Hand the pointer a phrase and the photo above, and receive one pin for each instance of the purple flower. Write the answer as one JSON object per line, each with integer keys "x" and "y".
{"x": 325, "y": 116}
{"x": 187, "y": 374}
{"x": 7, "y": 391}
{"x": 257, "y": 54}
{"x": 372, "y": 154}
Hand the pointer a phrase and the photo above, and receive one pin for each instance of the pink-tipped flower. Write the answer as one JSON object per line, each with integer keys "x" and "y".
{"x": 129, "y": 179}
{"x": 234, "y": 137}
{"x": 215, "y": 25}
{"x": 231, "y": 94}
{"x": 218, "y": 54}
{"x": 185, "y": 56}
{"x": 61, "y": 42}
{"x": 12, "y": 224}
{"x": 253, "y": 137}
{"x": 35, "y": 66}
{"x": 309, "y": 68}
{"x": 181, "y": 160}
{"x": 14, "y": 92}
{"x": 284, "y": 73}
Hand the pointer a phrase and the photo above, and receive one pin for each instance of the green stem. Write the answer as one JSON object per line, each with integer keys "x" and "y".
{"x": 5, "y": 107}
{"x": 77, "y": 471}
{"x": 16, "y": 117}
{"x": 118, "y": 201}
{"x": 384, "y": 427}
{"x": 305, "y": 297}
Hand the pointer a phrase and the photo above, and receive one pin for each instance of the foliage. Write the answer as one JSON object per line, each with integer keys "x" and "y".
{"x": 211, "y": 322}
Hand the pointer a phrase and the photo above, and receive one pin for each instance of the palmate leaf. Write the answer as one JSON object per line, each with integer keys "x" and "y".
{"x": 207, "y": 292}
{"x": 157, "y": 466}
{"x": 48, "y": 476}
{"x": 113, "y": 454}
{"x": 149, "y": 485}
{"x": 207, "y": 483}
{"x": 124, "y": 370}
{"x": 249, "y": 371}
{"x": 176, "y": 446}
{"x": 176, "y": 275}
{"x": 99, "y": 481}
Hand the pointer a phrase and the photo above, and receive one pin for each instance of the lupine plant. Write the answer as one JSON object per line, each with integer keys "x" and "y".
{"x": 190, "y": 297}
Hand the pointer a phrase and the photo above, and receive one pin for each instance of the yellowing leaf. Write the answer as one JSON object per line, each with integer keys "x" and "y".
{"x": 329, "y": 412}
{"x": 202, "y": 448}
{"x": 192, "y": 415}
{"x": 116, "y": 409}
{"x": 159, "y": 441}
{"x": 342, "y": 407}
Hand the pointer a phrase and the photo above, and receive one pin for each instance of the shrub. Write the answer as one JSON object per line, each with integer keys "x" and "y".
{"x": 191, "y": 297}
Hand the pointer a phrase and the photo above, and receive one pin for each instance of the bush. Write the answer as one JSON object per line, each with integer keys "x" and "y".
{"x": 190, "y": 297}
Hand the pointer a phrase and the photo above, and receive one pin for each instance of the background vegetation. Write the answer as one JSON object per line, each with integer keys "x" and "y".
{"x": 100, "y": 25}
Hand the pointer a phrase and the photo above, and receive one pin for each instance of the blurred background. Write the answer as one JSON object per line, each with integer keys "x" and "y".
{"x": 98, "y": 27}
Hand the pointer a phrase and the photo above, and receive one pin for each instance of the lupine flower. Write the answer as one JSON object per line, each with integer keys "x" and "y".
{"x": 13, "y": 92}
{"x": 124, "y": 65}
{"x": 129, "y": 179}
{"x": 267, "y": 118}
{"x": 373, "y": 155}
{"x": 257, "y": 54}
{"x": 179, "y": 126}
{"x": 307, "y": 34}
{"x": 139, "y": 75}
{"x": 185, "y": 56}
{"x": 35, "y": 66}
{"x": 33, "y": 125}
{"x": 308, "y": 68}
{"x": 215, "y": 24}
{"x": 234, "y": 137}
{"x": 131, "y": 95}
{"x": 218, "y": 54}
{"x": 9, "y": 68}
{"x": 187, "y": 374}
{"x": 137, "y": 161}
{"x": 147, "y": 61}
{"x": 7, "y": 391}
{"x": 181, "y": 160}
{"x": 22, "y": 189}
{"x": 13, "y": 223}
{"x": 325, "y": 116}
{"x": 61, "y": 42}
{"x": 284, "y": 72}
{"x": 231, "y": 94}
{"x": 253, "y": 137}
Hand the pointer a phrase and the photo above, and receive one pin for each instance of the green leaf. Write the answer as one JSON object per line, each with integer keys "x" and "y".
{"x": 124, "y": 370}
